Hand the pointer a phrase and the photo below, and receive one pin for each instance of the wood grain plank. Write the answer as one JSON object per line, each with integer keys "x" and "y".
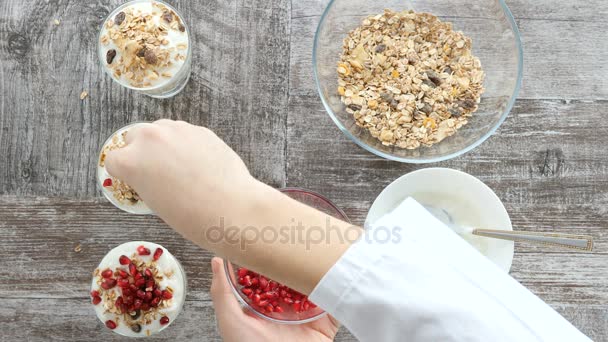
{"x": 592, "y": 10}
{"x": 39, "y": 235}
{"x": 562, "y": 59}
{"x": 37, "y": 265}
{"x": 49, "y": 138}
{"x": 545, "y": 152}
{"x": 26, "y": 320}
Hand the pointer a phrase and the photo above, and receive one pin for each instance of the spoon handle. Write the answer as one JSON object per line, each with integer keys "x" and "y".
{"x": 580, "y": 242}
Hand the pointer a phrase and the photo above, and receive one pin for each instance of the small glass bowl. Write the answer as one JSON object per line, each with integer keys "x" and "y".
{"x": 318, "y": 202}
{"x": 164, "y": 90}
{"x": 496, "y": 42}
{"x": 140, "y": 208}
{"x": 124, "y": 249}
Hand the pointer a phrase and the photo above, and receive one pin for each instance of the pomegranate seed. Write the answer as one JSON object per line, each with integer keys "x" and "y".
{"x": 269, "y": 308}
{"x": 119, "y": 303}
{"x": 128, "y": 300}
{"x": 247, "y": 281}
{"x": 288, "y": 300}
{"x": 145, "y": 307}
{"x": 242, "y": 272}
{"x": 94, "y": 293}
{"x": 140, "y": 294}
{"x": 246, "y": 291}
{"x": 138, "y": 275}
{"x": 108, "y": 283}
{"x": 107, "y": 273}
{"x": 148, "y": 273}
{"x": 107, "y": 182}
{"x": 124, "y": 260}
{"x": 263, "y": 303}
{"x": 256, "y": 298}
{"x": 167, "y": 294}
{"x": 150, "y": 285}
{"x": 263, "y": 282}
{"x": 110, "y": 324}
{"x": 132, "y": 269}
{"x": 158, "y": 293}
{"x": 148, "y": 296}
{"x": 255, "y": 281}
{"x": 123, "y": 283}
{"x": 123, "y": 274}
{"x": 96, "y": 300}
{"x": 164, "y": 320}
{"x": 155, "y": 301}
{"x": 157, "y": 253}
{"x": 297, "y": 307}
{"x": 137, "y": 304}
{"x": 278, "y": 309}
{"x": 141, "y": 250}
{"x": 305, "y": 306}
{"x": 133, "y": 288}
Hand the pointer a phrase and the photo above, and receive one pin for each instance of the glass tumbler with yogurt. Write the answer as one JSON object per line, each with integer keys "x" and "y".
{"x": 138, "y": 289}
{"x": 145, "y": 45}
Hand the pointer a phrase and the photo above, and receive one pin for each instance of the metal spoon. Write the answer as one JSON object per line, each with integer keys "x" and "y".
{"x": 573, "y": 241}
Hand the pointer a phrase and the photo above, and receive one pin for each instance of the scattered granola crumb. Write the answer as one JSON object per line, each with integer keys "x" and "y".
{"x": 78, "y": 248}
{"x": 57, "y": 22}
{"x": 83, "y": 95}
{"x": 409, "y": 78}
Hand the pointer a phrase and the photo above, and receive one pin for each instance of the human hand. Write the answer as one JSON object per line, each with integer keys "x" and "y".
{"x": 236, "y": 325}
{"x": 184, "y": 173}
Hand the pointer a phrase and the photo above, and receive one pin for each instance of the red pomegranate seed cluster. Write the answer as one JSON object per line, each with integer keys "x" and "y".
{"x": 269, "y": 296}
{"x": 139, "y": 291}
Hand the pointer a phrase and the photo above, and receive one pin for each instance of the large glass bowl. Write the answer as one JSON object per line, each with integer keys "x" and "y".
{"x": 496, "y": 42}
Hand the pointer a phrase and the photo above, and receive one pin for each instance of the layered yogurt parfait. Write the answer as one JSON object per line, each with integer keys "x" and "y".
{"x": 138, "y": 289}
{"x": 116, "y": 191}
{"x": 145, "y": 45}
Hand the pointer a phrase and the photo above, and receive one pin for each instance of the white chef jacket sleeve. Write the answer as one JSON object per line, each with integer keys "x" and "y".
{"x": 428, "y": 284}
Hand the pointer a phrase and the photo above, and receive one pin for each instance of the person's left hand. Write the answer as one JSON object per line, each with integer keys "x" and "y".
{"x": 236, "y": 325}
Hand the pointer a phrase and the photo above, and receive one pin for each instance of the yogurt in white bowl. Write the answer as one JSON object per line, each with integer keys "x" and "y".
{"x": 457, "y": 199}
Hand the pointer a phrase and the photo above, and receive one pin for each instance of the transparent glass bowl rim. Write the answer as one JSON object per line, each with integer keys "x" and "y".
{"x": 102, "y": 57}
{"x": 229, "y": 275}
{"x": 520, "y": 66}
{"x": 181, "y": 304}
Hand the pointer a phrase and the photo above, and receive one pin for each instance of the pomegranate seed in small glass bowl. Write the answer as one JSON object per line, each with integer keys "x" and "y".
{"x": 118, "y": 193}
{"x": 138, "y": 289}
{"x": 271, "y": 300}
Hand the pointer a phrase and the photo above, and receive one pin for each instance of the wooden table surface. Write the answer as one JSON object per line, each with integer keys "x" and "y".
{"x": 252, "y": 84}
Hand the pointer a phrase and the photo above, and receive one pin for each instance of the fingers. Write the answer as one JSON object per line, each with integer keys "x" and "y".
{"x": 227, "y": 307}
{"x": 119, "y": 163}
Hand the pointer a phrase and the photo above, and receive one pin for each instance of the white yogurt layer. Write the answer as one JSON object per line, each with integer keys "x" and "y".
{"x": 173, "y": 277}
{"x": 178, "y": 45}
{"x": 138, "y": 207}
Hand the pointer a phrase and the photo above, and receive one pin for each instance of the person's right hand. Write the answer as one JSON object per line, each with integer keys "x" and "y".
{"x": 186, "y": 174}
{"x": 192, "y": 180}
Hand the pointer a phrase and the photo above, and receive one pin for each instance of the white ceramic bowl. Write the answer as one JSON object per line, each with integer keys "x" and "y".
{"x": 465, "y": 198}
